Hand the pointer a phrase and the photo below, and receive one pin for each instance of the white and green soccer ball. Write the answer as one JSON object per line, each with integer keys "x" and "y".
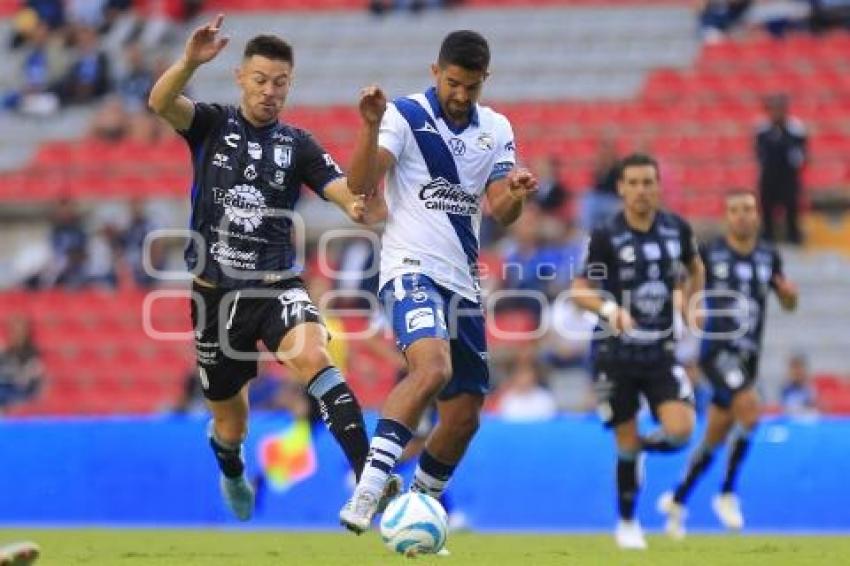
{"x": 414, "y": 523}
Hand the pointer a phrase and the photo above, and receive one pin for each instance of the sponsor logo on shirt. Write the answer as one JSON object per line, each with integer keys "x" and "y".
{"x": 283, "y": 156}
{"x": 485, "y": 141}
{"x": 250, "y": 172}
{"x": 442, "y": 196}
{"x": 220, "y": 160}
{"x": 228, "y": 255}
{"x": 244, "y": 205}
{"x": 255, "y": 150}
{"x": 231, "y": 139}
{"x": 457, "y": 146}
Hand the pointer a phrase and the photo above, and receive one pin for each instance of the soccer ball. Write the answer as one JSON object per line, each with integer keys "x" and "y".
{"x": 414, "y": 523}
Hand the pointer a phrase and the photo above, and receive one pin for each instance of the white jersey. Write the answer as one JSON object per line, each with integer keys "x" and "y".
{"x": 434, "y": 190}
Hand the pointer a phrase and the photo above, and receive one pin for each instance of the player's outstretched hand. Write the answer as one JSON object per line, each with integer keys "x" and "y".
{"x": 786, "y": 291}
{"x": 373, "y": 104}
{"x": 521, "y": 183}
{"x": 204, "y": 44}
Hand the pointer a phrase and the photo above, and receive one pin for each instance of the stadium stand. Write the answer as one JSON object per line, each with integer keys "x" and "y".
{"x": 641, "y": 77}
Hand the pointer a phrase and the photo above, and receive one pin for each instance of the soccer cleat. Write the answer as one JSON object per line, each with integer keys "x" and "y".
{"x": 393, "y": 488}
{"x": 443, "y": 552}
{"x": 629, "y": 535}
{"x": 238, "y": 494}
{"x": 675, "y": 513}
{"x": 19, "y": 554}
{"x": 357, "y": 514}
{"x": 728, "y": 509}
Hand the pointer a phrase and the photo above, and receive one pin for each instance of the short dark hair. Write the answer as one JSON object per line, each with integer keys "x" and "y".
{"x": 638, "y": 160}
{"x": 465, "y": 48}
{"x": 270, "y": 47}
{"x": 740, "y": 192}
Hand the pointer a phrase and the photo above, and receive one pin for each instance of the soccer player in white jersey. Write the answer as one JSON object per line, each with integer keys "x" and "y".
{"x": 441, "y": 153}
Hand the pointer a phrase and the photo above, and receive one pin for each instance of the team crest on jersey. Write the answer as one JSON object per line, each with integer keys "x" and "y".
{"x": 485, "y": 141}
{"x": 250, "y": 172}
{"x": 627, "y": 254}
{"x": 283, "y": 155}
{"x": 744, "y": 271}
{"x": 279, "y": 177}
{"x": 255, "y": 150}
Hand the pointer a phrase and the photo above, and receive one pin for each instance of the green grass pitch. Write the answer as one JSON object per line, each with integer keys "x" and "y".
{"x": 213, "y": 547}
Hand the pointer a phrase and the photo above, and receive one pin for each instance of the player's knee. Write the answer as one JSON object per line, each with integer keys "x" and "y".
{"x": 679, "y": 433}
{"x": 465, "y": 426}
{"x": 310, "y": 362}
{"x": 231, "y": 430}
{"x": 432, "y": 377}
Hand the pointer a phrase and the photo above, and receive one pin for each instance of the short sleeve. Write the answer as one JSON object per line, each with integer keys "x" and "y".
{"x": 205, "y": 119}
{"x": 597, "y": 256}
{"x": 315, "y": 166}
{"x": 393, "y": 131}
{"x": 506, "y": 151}
{"x": 690, "y": 248}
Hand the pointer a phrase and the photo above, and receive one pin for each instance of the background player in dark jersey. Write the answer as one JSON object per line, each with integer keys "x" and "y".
{"x": 741, "y": 270}
{"x": 634, "y": 264}
{"x": 248, "y": 170}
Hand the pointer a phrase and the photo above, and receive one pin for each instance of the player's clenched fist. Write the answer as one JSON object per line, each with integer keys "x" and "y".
{"x": 373, "y": 104}
{"x": 521, "y": 183}
{"x": 203, "y": 45}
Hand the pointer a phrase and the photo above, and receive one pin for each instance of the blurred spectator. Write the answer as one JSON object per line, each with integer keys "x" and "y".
{"x": 718, "y": 17}
{"x": 781, "y": 152}
{"x": 137, "y": 79}
{"x": 381, "y": 7}
{"x": 133, "y": 242}
{"x": 602, "y": 201}
{"x": 524, "y": 398}
{"x": 51, "y": 12}
{"x": 21, "y": 369}
{"x": 191, "y": 401}
{"x": 830, "y": 13}
{"x": 102, "y": 257}
{"x": 145, "y": 128}
{"x": 529, "y": 266}
{"x": 86, "y": 12}
{"x": 88, "y": 77}
{"x": 798, "y": 395}
{"x": 551, "y": 194}
{"x": 42, "y": 68}
{"x": 68, "y": 243}
{"x": 110, "y": 122}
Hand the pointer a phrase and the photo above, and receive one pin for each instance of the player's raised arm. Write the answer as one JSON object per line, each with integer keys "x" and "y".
{"x": 507, "y": 195}
{"x": 165, "y": 98}
{"x": 369, "y": 163}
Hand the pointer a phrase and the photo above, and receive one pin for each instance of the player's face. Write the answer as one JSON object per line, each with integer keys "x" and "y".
{"x": 457, "y": 90}
{"x": 639, "y": 189}
{"x": 742, "y": 216}
{"x": 265, "y": 83}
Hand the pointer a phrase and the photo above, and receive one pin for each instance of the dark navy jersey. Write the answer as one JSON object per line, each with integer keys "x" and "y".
{"x": 737, "y": 287}
{"x": 640, "y": 271}
{"x": 246, "y": 183}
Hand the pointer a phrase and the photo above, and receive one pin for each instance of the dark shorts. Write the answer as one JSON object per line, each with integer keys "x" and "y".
{"x": 419, "y": 308}
{"x": 619, "y": 387}
{"x": 228, "y": 323}
{"x": 729, "y": 373}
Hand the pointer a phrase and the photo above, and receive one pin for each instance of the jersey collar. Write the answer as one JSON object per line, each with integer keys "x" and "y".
{"x": 431, "y": 95}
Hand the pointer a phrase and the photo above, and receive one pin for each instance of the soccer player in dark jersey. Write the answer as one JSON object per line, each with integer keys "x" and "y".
{"x": 248, "y": 172}
{"x": 635, "y": 263}
{"x": 741, "y": 270}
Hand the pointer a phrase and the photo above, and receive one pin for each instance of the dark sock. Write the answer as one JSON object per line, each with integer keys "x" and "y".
{"x": 627, "y": 484}
{"x": 658, "y": 441}
{"x": 229, "y": 457}
{"x": 698, "y": 464}
{"x": 738, "y": 451}
{"x": 342, "y": 415}
{"x": 431, "y": 475}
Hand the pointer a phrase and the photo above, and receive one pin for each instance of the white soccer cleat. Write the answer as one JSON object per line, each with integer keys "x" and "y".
{"x": 443, "y": 552}
{"x": 629, "y": 535}
{"x": 728, "y": 509}
{"x": 675, "y": 513}
{"x": 357, "y": 514}
{"x": 238, "y": 495}
{"x": 393, "y": 488}
{"x": 19, "y": 554}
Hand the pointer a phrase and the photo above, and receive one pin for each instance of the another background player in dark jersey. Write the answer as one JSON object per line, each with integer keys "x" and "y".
{"x": 248, "y": 171}
{"x": 634, "y": 265}
{"x": 741, "y": 271}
